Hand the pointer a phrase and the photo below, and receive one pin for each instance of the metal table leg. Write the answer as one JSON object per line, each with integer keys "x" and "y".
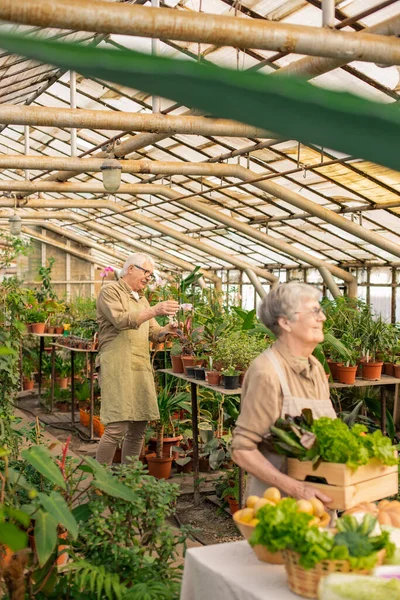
{"x": 41, "y": 349}
{"x": 383, "y": 410}
{"x": 195, "y": 428}
{"x": 73, "y": 388}
{"x": 53, "y": 376}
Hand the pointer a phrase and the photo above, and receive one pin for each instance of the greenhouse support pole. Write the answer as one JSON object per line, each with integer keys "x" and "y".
{"x": 220, "y": 30}
{"x": 256, "y": 283}
{"x": 39, "y": 116}
{"x": 27, "y": 144}
{"x": 72, "y": 98}
{"x": 154, "y": 50}
{"x": 110, "y": 232}
{"x": 330, "y": 282}
{"x": 312, "y": 66}
{"x": 195, "y": 431}
{"x": 328, "y": 13}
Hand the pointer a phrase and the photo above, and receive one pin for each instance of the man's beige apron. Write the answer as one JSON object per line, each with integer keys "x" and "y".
{"x": 127, "y": 381}
{"x": 291, "y": 406}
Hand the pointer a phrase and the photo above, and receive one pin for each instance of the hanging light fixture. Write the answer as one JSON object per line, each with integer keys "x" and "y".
{"x": 15, "y": 220}
{"x": 111, "y": 170}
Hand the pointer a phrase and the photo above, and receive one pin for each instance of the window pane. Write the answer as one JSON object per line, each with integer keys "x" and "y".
{"x": 380, "y": 299}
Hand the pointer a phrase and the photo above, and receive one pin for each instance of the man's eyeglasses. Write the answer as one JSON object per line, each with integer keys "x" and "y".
{"x": 315, "y": 312}
{"x": 147, "y": 274}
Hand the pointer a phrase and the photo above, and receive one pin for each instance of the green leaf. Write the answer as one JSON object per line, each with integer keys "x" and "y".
{"x": 58, "y": 508}
{"x": 289, "y": 107}
{"x": 13, "y": 537}
{"x": 18, "y": 515}
{"x": 15, "y": 477}
{"x": 45, "y": 536}
{"x": 42, "y": 460}
{"x": 82, "y": 512}
{"x": 107, "y": 483}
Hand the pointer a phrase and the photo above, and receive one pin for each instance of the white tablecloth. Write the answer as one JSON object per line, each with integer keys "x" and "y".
{"x": 232, "y": 572}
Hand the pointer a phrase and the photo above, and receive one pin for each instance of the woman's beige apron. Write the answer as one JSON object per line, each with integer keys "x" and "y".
{"x": 127, "y": 381}
{"x": 292, "y": 406}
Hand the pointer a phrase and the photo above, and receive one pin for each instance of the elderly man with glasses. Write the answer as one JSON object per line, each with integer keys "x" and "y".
{"x": 282, "y": 380}
{"x": 126, "y": 325}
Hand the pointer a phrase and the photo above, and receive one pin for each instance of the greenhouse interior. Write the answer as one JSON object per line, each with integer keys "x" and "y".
{"x": 200, "y": 299}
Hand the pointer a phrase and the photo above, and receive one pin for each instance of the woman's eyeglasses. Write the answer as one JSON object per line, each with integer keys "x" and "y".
{"x": 315, "y": 312}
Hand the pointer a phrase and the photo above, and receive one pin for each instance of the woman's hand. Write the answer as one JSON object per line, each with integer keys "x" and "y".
{"x": 168, "y": 307}
{"x": 303, "y": 491}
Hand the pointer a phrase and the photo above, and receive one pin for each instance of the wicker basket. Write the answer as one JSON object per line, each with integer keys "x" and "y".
{"x": 304, "y": 582}
{"x": 261, "y": 552}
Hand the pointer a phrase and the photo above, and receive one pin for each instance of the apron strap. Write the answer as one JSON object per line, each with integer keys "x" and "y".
{"x": 279, "y": 371}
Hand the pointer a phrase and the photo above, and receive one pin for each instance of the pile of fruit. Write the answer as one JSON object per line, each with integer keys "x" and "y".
{"x": 272, "y": 496}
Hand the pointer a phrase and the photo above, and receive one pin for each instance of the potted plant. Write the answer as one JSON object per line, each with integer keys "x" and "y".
{"x": 375, "y": 337}
{"x": 82, "y": 395}
{"x": 63, "y": 371}
{"x": 63, "y": 399}
{"x": 184, "y": 461}
{"x": 231, "y": 378}
{"x": 27, "y": 371}
{"x": 169, "y": 400}
{"x": 231, "y": 489}
{"x": 346, "y": 372}
{"x": 212, "y": 375}
{"x": 37, "y": 319}
{"x": 176, "y": 358}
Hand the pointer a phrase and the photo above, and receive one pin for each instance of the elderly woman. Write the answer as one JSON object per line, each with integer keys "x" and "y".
{"x": 282, "y": 380}
{"x": 126, "y": 324}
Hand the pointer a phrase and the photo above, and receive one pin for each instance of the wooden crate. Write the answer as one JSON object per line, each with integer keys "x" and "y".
{"x": 346, "y": 487}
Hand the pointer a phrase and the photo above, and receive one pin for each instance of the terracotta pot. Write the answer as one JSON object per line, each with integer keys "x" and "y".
{"x": 50, "y": 329}
{"x": 168, "y": 442}
{"x": 233, "y": 505}
{"x": 62, "y": 556}
{"x": 160, "y": 468}
{"x": 397, "y": 371}
{"x": 188, "y": 468}
{"x": 388, "y": 369}
{"x": 38, "y": 327}
{"x": 177, "y": 364}
{"x": 62, "y": 382}
{"x": 347, "y": 374}
{"x": 333, "y": 367}
{"x": 188, "y": 361}
{"x": 59, "y": 330}
{"x": 62, "y": 407}
{"x": 212, "y": 377}
{"x": 28, "y": 384}
{"x": 372, "y": 371}
{"x": 84, "y": 417}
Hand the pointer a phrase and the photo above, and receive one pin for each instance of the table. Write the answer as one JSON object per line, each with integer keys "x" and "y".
{"x": 382, "y": 382}
{"x": 232, "y": 572}
{"x": 91, "y": 379}
{"x": 41, "y": 337}
{"x": 193, "y": 393}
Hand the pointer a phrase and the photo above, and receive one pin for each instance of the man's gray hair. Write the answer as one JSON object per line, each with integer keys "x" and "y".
{"x": 283, "y": 301}
{"x": 138, "y": 258}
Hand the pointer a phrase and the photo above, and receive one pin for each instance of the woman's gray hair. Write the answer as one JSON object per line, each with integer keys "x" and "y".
{"x": 283, "y": 301}
{"x": 138, "y": 258}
